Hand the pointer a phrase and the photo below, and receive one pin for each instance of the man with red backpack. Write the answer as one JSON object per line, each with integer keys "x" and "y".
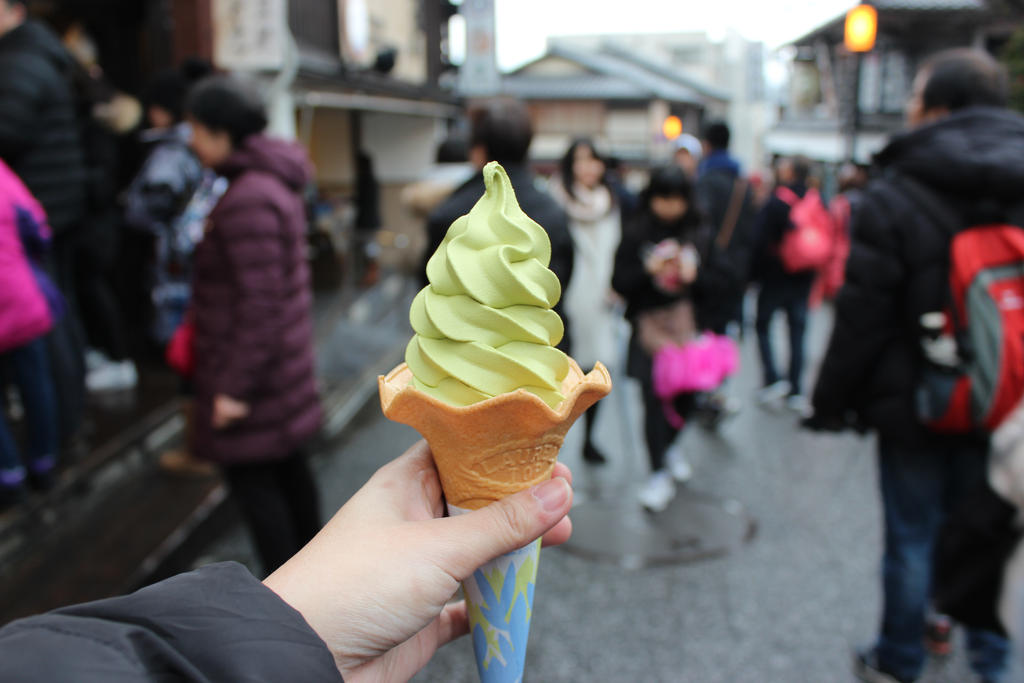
{"x": 904, "y": 331}
{"x": 790, "y": 240}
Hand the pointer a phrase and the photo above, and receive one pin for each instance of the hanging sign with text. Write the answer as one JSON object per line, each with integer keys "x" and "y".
{"x": 249, "y": 34}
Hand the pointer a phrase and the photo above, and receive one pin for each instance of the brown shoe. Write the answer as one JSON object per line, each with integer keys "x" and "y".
{"x": 183, "y": 464}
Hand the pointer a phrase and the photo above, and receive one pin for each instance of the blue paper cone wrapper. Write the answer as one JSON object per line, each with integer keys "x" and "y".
{"x": 499, "y": 601}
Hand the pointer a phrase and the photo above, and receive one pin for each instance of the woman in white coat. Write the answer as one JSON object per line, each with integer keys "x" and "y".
{"x": 596, "y": 226}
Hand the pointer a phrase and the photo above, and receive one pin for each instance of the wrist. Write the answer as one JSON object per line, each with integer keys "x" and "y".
{"x": 298, "y": 588}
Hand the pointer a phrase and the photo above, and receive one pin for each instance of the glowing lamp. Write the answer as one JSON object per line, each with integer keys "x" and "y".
{"x": 861, "y": 28}
{"x": 672, "y": 127}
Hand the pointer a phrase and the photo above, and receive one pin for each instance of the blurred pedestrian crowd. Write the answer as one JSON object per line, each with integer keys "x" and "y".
{"x": 131, "y": 226}
{"x": 174, "y": 221}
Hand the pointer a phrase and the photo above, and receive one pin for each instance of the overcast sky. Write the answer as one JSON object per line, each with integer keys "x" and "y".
{"x": 524, "y": 25}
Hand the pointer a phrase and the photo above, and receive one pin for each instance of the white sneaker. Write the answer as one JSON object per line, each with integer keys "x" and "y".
{"x": 658, "y": 491}
{"x": 799, "y": 405}
{"x": 95, "y": 359}
{"x": 716, "y": 410}
{"x": 731, "y": 407}
{"x": 14, "y": 405}
{"x": 773, "y": 392}
{"x": 678, "y": 465}
{"x": 114, "y": 376}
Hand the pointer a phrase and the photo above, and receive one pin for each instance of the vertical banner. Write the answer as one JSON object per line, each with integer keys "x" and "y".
{"x": 249, "y": 34}
{"x": 478, "y": 76}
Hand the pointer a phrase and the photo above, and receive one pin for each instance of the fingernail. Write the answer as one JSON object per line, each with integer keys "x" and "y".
{"x": 552, "y": 494}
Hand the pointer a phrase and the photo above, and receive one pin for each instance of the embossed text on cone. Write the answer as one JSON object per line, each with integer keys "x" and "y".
{"x": 494, "y": 448}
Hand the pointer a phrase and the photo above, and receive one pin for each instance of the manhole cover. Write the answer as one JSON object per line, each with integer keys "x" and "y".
{"x": 696, "y": 526}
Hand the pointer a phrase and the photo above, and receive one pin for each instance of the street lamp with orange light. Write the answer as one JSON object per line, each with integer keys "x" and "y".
{"x": 861, "y": 28}
{"x": 672, "y": 127}
{"x": 860, "y": 32}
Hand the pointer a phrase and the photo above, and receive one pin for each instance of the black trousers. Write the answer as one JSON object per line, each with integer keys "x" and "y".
{"x": 658, "y": 433}
{"x": 657, "y": 430}
{"x": 95, "y": 259}
{"x": 66, "y": 343}
{"x": 792, "y": 297}
{"x": 279, "y": 502}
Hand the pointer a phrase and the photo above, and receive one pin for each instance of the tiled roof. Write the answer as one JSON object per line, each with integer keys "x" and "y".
{"x": 611, "y": 75}
{"x": 706, "y": 89}
{"x": 903, "y": 7}
{"x": 581, "y": 87}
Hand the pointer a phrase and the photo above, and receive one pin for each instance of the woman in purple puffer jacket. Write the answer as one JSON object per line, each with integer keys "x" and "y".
{"x": 29, "y": 304}
{"x": 256, "y": 401}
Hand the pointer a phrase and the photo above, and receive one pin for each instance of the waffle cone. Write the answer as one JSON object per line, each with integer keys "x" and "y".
{"x": 494, "y": 448}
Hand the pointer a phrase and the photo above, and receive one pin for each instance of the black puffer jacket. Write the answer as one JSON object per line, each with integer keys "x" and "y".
{"x": 211, "y": 625}
{"x": 631, "y": 279}
{"x": 39, "y": 135}
{"x": 897, "y": 269}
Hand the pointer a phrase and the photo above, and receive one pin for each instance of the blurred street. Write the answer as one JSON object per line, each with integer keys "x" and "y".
{"x": 787, "y": 607}
{"x": 221, "y": 220}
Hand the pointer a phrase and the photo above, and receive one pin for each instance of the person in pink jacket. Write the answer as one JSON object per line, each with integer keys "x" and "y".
{"x": 28, "y": 305}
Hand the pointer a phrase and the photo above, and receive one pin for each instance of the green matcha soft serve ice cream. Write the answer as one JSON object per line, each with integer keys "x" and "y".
{"x": 484, "y": 325}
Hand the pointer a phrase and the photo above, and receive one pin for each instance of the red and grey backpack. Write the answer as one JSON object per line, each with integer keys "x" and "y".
{"x": 985, "y": 316}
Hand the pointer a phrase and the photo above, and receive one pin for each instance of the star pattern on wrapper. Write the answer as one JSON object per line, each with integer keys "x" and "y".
{"x": 500, "y": 622}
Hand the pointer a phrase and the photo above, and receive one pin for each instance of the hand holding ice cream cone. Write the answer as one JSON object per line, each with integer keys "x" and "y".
{"x": 375, "y": 582}
{"x": 485, "y": 385}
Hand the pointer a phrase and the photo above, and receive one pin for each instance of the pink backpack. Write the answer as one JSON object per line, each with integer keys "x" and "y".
{"x": 24, "y": 312}
{"x": 808, "y": 246}
{"x": 699, "y": 366}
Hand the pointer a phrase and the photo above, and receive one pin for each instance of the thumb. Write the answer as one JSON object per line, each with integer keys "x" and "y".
{"x": 475, "y": 538}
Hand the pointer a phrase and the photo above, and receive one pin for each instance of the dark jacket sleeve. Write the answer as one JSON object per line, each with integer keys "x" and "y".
{"x": 562, "y": 249}
{"x": 23, "y": 81}
{"x": 868, "y": 309}
{"x": 252, "y": 240}
{"x": 740, "y": 250}
{"x": 718, "y": 280}
{"x": 725, "y": 272}
{"x": 211, "y": 625}
{"x": 629, "y": 276}
{"x": 712, "y": 193}
{"x": 774, "y": 222}
{"x": 731, "y": 264}
{"x": 770, "y": 225}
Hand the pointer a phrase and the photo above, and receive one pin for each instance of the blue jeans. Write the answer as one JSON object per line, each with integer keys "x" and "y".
{"x": 30, "y": 369}
{"x": 920, "y": 487}
{"x": 790, "y": 297}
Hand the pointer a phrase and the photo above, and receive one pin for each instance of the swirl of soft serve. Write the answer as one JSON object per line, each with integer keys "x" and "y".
{"x": 484, "y": 325}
